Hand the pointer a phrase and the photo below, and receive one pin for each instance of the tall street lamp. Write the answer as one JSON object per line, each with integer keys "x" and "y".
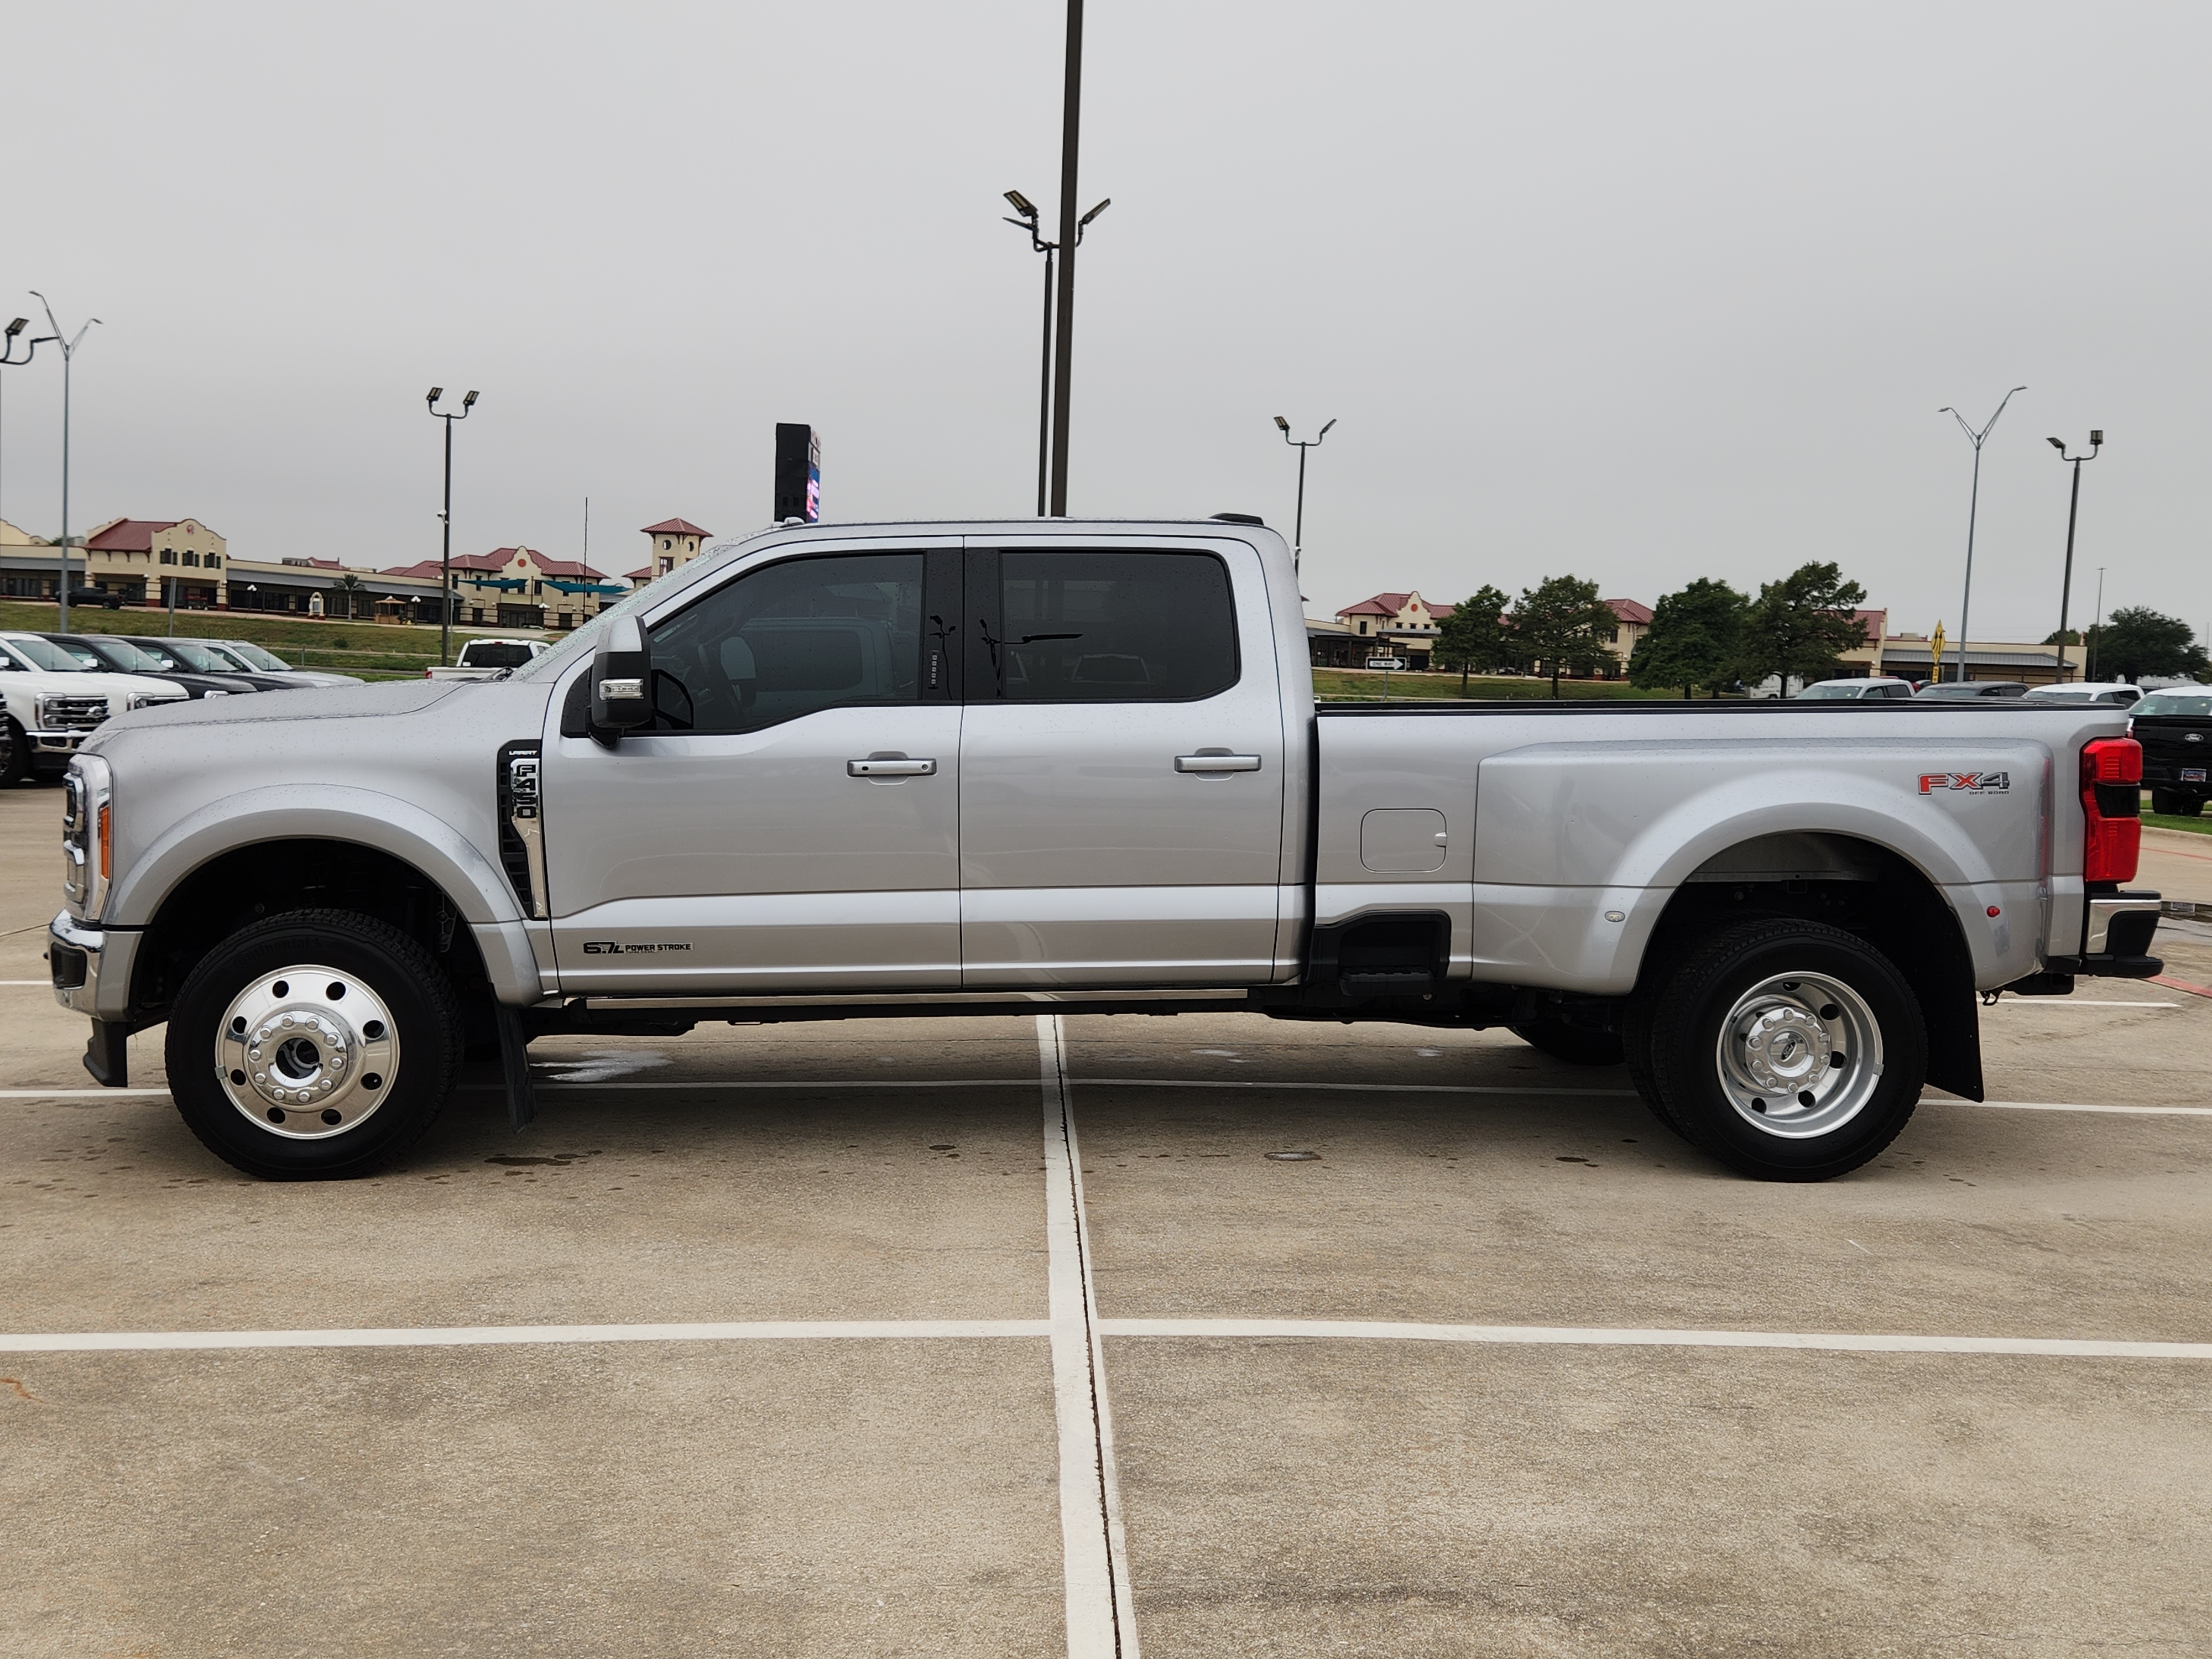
{"x": 1029, "y": 222}
{"x": 2097, "y": 627}
{"x": 1974, "y": 502}
{"x": 1063, "y": 368}
{"x": 2072, "y": 510}
{"x": 10, "y": 360}
{"x": 69, "y": 345}
{"x": 1298, "y": 530}
{"x": 446, "y": 519}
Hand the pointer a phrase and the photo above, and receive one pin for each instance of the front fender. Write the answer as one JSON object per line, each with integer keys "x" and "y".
{"x": 475, "y": 887}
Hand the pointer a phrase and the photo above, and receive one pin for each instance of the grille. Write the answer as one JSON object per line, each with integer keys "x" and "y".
{"x": 72, "y": 714}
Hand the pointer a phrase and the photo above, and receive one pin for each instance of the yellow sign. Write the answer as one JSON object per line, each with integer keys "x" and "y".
{"x": 1935, "y": 655}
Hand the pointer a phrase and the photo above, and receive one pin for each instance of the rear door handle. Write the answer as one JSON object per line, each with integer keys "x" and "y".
{"x": 877, "y": 766}
{"x": 1217, "y": 762}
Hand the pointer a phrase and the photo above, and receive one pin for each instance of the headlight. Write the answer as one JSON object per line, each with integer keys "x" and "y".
{"x": 45, "y": 706}
{"x": 214, "y": 692}
{"x": 144, "y": 700}
{"x": 87, "y": 835}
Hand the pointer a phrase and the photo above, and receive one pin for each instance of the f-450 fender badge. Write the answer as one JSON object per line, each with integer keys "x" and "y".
{"x": 1976, "y": 783}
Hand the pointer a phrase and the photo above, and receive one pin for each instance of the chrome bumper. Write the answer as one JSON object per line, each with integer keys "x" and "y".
{"x": 2096, "y": 939}
{"x": 90, "y": 967}
{"x": 56, "y": 742}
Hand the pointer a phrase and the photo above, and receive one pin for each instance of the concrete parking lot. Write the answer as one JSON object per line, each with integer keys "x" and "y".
{"x": 1333, "y": 1340}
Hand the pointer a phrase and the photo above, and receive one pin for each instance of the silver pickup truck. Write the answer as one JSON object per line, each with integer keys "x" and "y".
{"x": 960, "y": 768}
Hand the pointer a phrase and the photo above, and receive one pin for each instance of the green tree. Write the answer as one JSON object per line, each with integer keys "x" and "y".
{"x": 1474, "y": 636}
{"x": 1695, "y": 639}
{"x": 2137, "y": 640}
{"x": 1561, "y": 621}
{"x": 1799, "y": 626}
{"x": 352, "y": 587}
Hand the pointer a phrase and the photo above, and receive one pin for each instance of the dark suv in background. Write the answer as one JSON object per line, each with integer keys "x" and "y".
{"x": 2175, "y": 729}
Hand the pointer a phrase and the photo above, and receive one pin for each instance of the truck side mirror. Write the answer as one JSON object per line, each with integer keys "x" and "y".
{"x": 622, "y": 683}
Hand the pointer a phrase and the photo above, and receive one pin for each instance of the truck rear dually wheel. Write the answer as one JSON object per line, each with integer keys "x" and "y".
{"x": 1789, "y": 1050}
{"x": 315, "y": 1044}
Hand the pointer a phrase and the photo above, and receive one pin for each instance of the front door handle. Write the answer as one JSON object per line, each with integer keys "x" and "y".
{"x": 880, "y": 766}
{"x": 1217, "y": 762}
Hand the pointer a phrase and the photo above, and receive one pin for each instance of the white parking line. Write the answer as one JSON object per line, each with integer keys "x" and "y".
{"x": 1101, "y": 1622}
{"x": 470, "y": 1336}
{"x": 2074, "y": 1002}
{"x": 2061, "y": 1106}
{"x": 1604, "y": 1336}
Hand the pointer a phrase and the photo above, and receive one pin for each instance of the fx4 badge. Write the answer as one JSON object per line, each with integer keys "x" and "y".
{"x": 1979, "y": 783}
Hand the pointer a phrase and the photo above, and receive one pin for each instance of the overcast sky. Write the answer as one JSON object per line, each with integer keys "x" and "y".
{"x": 1638, "y": 293}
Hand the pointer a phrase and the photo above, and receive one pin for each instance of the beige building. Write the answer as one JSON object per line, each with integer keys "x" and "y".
{"x": 1911, "y": 656}
{"x": 141, "y": 559}
{"x": 520, "y": 587}
{"x": 671, "y": 544}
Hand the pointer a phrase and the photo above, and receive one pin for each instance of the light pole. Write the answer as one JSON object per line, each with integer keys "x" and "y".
{"x": 10, "y": 360}
{"x": 1028, "y": 221}
{"x": 2097, "y": 627}
{"x": 2072, "y": 510}
{"x": 1974, "y": 502}
{"x": 1063, "y": 375}
{"x": 68, "y": 346}
{"x": 1298, "y": 528}
{"x": 446, "y": 519}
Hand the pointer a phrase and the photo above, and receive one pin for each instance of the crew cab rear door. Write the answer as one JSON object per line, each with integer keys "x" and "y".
{"x": 1122, "y": 777}
{"x": 789, "y": 822}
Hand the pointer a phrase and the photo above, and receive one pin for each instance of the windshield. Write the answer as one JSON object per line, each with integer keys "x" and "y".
{"x": 252, "y": 655}
{"x": 119, "y": 654}
{"x": 2196, "y": 703}
{"x": 494, "y": 653}
{"x": 45, "y": 653}
{"x": 2046, "y": 693}
{"x": 582, "y": 642}
{"x": 1829, "y": 693}
{"x": 183, "y": 653}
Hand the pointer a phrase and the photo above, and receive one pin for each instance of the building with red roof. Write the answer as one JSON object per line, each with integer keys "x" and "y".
{"x": 142, "y": 558}
{"x": 670, "y": 545}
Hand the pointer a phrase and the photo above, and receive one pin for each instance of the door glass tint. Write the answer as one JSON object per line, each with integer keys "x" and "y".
{"x": 1114, "y": 627}
{"x": 783, "y": 641}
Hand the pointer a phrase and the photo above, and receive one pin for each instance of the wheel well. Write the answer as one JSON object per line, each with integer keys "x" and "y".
{"x": 247, "y": 884}
{"x": 1863, "y": 888}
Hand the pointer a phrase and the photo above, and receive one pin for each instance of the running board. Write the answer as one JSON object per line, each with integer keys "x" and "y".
{"x": 904, "y": 1002}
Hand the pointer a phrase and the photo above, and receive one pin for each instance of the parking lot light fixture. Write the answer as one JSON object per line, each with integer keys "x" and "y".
{"x": 2073, "y": 511}
{"x": 68, "y": 343}
{"x": 1974, "y": 502}
{"x": 445, "y": 519}
{"x": 1298, "y": 524}
{"x": 10, "y": 360}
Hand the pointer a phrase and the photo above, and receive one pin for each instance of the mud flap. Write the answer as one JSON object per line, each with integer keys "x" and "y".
{"x": 106, "y": 1055}
{"x": 514, "y": 1065}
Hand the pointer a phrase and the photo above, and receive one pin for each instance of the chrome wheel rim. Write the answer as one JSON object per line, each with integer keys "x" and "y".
{"x": 306, "y": 1053}
{"x": 1799, "y": 1056}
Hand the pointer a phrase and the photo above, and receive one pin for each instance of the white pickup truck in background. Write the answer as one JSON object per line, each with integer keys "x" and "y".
{"x": 483, "y": 660}
{"x": 946, "y": 769}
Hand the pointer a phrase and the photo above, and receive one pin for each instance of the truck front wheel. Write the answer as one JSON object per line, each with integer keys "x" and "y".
{"x": 316, "y": 1044}
{"x": 1789, "y": 1050}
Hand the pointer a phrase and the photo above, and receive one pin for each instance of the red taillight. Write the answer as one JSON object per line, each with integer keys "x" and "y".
{"x": 2112, "y": 808}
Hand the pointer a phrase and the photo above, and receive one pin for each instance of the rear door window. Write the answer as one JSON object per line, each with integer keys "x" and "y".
{"x": 1101, "y": 627}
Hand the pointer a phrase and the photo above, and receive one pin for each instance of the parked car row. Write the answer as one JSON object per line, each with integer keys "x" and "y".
{"x": 2113, "y": 694}
{"x": 56, "y": 689}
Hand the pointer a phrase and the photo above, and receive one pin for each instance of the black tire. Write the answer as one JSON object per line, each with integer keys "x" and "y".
{"x": 16, "y": 762}
{"x": 399, "y": 980}
{"x": 1578, "y": 1045}
{"x": 1818, "y": 998}
{"x": 1636, "y": 1043}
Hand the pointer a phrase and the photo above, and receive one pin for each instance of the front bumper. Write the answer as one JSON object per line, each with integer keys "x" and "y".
{"x": 90, "y": 966}
{"x": 62, "y": 741}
